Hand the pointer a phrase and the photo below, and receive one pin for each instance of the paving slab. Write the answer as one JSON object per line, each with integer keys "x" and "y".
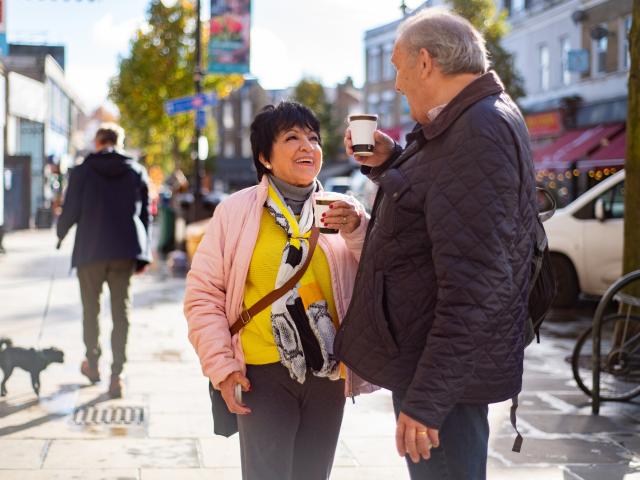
{"x": 220, "y": 452}
{"x": 578, "y": 424}
{"x": 606, "y": 472}
{"x": 368, "y": 473}
{"x": 106, "y": 474}
{"x": 180, "y": 425}
{"x": 557, "y": 451}
{"x": 17, "y": 454}
{"x": 122, "y": 453}
{"x": 191, "y": 474}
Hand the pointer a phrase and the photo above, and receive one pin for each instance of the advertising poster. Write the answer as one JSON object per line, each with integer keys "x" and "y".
{"x": 229, "y": 29}
{"x": 4, "y": 49}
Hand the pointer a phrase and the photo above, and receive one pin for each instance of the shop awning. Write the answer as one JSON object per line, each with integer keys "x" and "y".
{"x": 611, "y": 155}
{"x": 574, "y": 145}
{"x": 394, "y": 132}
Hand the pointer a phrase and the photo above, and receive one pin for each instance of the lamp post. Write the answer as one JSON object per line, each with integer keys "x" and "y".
{"x": 198, "y": 154}
{"x": 200, "y": 147}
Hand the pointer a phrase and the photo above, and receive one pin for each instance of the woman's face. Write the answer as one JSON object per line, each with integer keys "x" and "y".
{"x": 296, "y": 156}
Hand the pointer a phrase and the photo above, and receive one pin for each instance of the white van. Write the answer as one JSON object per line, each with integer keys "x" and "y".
{"x": 586, "y": 240}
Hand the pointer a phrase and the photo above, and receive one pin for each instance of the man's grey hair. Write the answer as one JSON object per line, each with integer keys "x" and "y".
{"x": 449, "y": 38}
{"x": 110, "y": 134}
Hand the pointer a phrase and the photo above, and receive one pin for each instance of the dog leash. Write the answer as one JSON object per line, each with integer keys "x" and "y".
{"x": 46, "y": 305}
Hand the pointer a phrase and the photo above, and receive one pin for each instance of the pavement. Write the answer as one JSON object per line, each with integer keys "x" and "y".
{"x": 162, "y": 428}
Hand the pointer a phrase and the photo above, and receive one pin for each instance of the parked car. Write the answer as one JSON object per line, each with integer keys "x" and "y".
{"x": 337, "y": 184}
{"x": 362, "y": 189}
{"x": 586, "y": 240}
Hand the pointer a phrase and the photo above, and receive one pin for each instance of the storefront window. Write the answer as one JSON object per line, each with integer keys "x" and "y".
{"x": 600, "y": 48}
{"x": 373, "y": 65}
{"x": 543, "y": 56}
{"x": 626, "y": 56}
{"x": 565, "y": 47}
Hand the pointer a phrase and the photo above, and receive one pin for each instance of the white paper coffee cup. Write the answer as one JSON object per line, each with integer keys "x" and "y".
{"x": 321, "y": 204}
{"x": 362, "y": 127}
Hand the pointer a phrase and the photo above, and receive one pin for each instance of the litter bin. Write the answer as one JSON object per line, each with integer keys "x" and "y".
{"x": 44, "y": 217}
{"x": 167, "y": 234}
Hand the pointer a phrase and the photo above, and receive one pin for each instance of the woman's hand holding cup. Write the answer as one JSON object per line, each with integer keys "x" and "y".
{"x": 342, "y": 216}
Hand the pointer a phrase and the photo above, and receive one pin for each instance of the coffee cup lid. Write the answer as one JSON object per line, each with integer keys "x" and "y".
{"x": 363, "y": 116}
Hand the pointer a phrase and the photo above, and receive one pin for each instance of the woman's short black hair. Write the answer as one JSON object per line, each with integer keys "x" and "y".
{"x": 273, "y": 120}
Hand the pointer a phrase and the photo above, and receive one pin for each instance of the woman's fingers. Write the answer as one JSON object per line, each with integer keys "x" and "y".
{"x": 227, "y": 389}
{"x": 342, "y": 216}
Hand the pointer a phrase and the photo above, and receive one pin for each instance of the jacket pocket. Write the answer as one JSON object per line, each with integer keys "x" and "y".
{"x": 394, "y": 185}
{"x": 379, "y": 318}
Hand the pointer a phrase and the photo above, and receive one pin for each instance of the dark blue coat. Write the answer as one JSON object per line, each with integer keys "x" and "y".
{"x": 108, "y": 198}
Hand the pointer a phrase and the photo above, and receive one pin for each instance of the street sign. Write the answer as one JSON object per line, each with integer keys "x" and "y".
{"x": 578, "y": 60}
{"x": 188, "y": 104}
{"x": 201, "y": 119}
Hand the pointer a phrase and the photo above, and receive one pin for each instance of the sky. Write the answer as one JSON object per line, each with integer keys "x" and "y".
{"x": 291, "y": 39}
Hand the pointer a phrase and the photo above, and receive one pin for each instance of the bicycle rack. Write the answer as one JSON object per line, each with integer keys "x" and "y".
{"x": 611, "y": 293}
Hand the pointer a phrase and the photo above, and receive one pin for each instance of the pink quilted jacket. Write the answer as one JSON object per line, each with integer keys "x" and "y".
{"x": 215, "y": 283}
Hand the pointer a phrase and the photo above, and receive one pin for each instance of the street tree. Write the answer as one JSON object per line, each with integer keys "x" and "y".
{"x": 493, "y": 25}
{"x": 160, "y": 66}
{"x": 311, "y": 93}
{"x": 631, "y": 259}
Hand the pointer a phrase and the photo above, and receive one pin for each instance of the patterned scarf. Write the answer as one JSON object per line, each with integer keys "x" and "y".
{"x": 302, "y": 327}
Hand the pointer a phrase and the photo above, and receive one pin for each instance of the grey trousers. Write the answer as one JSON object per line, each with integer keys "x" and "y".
{"x": 292, "y": 431}
{"x": 117, "y": 274}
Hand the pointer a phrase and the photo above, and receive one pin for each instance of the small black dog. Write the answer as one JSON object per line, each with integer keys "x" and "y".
{"x": 29, "y": 359}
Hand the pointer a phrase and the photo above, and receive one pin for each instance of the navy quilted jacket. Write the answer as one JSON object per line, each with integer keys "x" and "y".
{"x": 440, "y": 299}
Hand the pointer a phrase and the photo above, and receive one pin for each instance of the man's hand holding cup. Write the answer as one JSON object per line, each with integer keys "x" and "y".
{"x": 363, "y": 142}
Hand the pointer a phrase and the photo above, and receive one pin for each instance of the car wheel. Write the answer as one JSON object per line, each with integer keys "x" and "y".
{"x": 566, "y": 281}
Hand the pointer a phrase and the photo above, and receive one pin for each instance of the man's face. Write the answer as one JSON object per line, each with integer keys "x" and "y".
{"x": 407, "y": 76}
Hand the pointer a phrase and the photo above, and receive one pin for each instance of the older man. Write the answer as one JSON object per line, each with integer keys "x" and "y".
{"x": 108, "y": 199}
{"x": 440, "y": 300}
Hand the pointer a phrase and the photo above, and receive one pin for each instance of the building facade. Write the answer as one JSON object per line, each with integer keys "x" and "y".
{"x": 43, "y": 116}
{"x": 380, "y": 95}
{"x": 234, "y": 168}
{"x": 573, "y": 57}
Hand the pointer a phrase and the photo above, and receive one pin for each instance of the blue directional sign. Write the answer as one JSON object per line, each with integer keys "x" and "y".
{"x": 187, "y": 104}
{"x": 201, "y": 119}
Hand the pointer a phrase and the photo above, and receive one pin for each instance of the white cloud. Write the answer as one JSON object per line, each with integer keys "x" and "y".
{"x": 271, "y": 60}
{"x": 115, "y": 36}
{"x": 90, "y": 83}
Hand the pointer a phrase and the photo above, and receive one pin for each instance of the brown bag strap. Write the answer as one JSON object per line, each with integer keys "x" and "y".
{"x": 264, "y": 302}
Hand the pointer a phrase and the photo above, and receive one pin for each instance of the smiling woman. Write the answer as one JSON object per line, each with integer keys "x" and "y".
{"x": 292, "y": 387}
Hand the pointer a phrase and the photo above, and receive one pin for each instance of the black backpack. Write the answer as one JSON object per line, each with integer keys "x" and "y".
{"x": 542, "y": 289}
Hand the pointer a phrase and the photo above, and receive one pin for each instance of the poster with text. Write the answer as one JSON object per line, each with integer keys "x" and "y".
{"x": 229, "y": 30}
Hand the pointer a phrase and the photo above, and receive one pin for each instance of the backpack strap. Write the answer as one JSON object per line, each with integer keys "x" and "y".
{"x": 517, "y": 443}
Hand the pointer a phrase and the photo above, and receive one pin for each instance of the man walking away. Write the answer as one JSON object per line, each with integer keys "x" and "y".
{"x": 108, "y": 199}
{"x": 441, "y": 296}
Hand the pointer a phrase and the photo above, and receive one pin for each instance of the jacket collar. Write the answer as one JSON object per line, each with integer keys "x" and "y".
{"x": 482, "y": 87}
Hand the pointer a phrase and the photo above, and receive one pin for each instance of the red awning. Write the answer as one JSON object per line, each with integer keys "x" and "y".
{"x": 393, "y": 132}
{"x": 574, "y": 145}
{"x": 616, "y": 149}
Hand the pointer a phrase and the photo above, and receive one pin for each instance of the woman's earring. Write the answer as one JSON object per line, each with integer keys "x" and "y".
{"x": 267, "y": 166}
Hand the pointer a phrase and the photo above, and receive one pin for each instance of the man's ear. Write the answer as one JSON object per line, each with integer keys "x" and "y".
{"x": 425, "y": 63}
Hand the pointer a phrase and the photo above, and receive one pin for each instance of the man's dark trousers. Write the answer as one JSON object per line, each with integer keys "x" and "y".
{"x": 464, "y": 440}
{"x": 117, "y": 274}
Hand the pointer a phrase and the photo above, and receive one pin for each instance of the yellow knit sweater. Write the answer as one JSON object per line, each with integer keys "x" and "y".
{"x": 257, "y": 339}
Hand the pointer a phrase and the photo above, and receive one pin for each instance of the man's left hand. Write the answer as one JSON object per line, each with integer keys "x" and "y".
{"x": 415, "y": 439}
